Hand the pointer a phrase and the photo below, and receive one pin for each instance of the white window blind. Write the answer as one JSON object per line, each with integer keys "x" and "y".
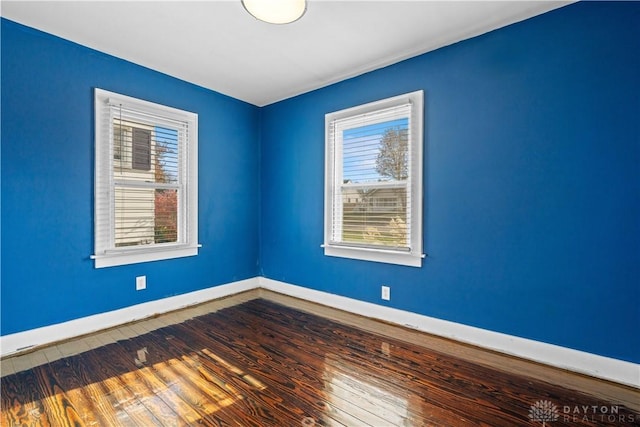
{"x": 373, "y": 185}
{"x": 146, "y": 181}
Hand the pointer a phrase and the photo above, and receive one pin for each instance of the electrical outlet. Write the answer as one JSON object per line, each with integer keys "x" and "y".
{"x": 141, "y": 283}
{"x": 386, "y": 293}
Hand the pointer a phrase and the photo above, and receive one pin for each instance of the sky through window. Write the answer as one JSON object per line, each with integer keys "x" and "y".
{"x": 361, "y": 147}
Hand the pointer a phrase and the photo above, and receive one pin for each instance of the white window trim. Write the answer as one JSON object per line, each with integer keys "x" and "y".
{"x": 414, "y": 256}
{"x": 105, "y": 254}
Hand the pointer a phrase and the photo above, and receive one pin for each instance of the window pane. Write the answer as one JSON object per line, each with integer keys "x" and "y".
{"x": 149, "y": 154}
{"x": 143, "y": 152}
{"x": 165, "y": 159}
{"x": 141, "y": 149}
{"x": 166, "y": 219}
{"x": 134, "y": 216}
{"x": 375, "y": 216}
{"x": 377, "y": 152}
{"x": 121, "y": 155}
{"x": 145, "y": 216}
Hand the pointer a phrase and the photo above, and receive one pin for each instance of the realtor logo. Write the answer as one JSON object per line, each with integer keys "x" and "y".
{"x": 543, "y": 411}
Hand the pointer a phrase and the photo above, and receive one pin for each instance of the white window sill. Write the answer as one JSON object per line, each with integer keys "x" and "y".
{"x": 375, "y": 255}
{"x": 146, "y": 255}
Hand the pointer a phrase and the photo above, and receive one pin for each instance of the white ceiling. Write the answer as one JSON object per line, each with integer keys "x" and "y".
{"x": 218, "y": 45}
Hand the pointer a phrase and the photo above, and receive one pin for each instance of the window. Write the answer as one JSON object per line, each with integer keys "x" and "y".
{"x": 146, "y": 181}
{"x": 373, "y": 181}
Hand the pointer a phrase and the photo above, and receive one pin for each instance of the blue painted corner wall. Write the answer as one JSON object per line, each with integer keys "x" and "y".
{"x": 531, "y": 188}
{"x": 532, "y": 183}
{"x": 47, "y": 183}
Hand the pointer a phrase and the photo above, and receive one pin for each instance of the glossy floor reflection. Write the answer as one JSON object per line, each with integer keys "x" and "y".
{"x": 260, "y": 363}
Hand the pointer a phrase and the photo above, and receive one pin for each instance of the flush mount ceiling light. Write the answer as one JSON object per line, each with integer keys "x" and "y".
{"x": 276, "y": 11}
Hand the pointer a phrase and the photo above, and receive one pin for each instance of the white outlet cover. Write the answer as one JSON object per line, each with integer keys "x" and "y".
{"x": 141, "y": 283}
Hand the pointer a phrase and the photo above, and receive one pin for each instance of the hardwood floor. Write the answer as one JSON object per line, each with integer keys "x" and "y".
{"x": 262, "y": 363}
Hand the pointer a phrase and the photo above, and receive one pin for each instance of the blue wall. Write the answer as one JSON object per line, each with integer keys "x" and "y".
{"x": 532, "y": 182}
{"x": 47, "y": 183}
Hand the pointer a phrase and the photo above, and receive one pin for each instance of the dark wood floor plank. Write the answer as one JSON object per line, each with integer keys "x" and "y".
{"x": 190, "y": 368}
{"x": 104, "y": 407}
{"x": 258, "y": 367}
{"x": 171, "y": 370}
{"x": 61, "y": 373}
{"x": 108, "y": 384}
{"x": 370, "y": 408}
{"x": 129, "y": 375}
{"x": 495, "y": 393}
{"x": 302, "y": 398}
{"x": 21, "y": 401}
{"x": 253, "y": 395}
{"x": 395, "y": 371}
{"x": 132, "y": 351}
{"x": 506, "y": 397}
{"x": 261, "y": 364}
{"x": 286, "y": 351}
{"x": 62, "y": 407}
{"x": 395, "y": 384}
{"x": 341, "y": 361}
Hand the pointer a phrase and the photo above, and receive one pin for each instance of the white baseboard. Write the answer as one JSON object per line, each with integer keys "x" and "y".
{"x": 20, "y": 341}
{"x": 573, "y": 360}
{"x": 561, "y": 357}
